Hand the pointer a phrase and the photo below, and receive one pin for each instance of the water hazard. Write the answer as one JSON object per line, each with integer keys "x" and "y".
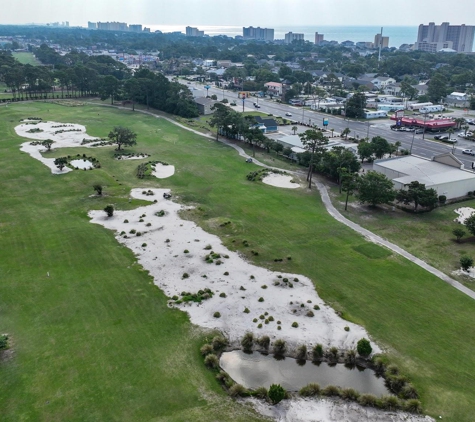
{"x": 257, "y": 370}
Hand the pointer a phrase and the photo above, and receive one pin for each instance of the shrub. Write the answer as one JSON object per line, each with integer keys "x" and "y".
{"x": 186, "y": 251}
{"x": 396, "y": 382}
{"x": 331, "y": 390}
{"x": 264, "y": 342}
{"x": 133, "y": 231}
{"x": 261, "y": 299}
{"x": 392, "y": 369}
{"x": 295, "y": 324}
{"x": 442, "y": 199}
{"x": 237, "y": 390}
{"x": 280, "y": 347}
{"x": 413, "y": 406}
{"x": 364, "y": 347}
{"x": 126, "y": 221}
{"x": 279, "y": 327}
{"x": 185, "y": 275}
{"x": 259, "y": 325}
{"x": 317, "y": 352}
{"x": 211, "y": 361}
{"x": 350, "y": 357}
{"x": 246, "y": 310}
{"x": 109, "y": 210}
{"x": 263, "y": 286}
{"x": 368, "y": 400}
{"x": 310, "y": 314}
{"x": 390, "y": 403}
{"x": 144, "y": 245}
{"x": 316, "y": 308}
{"x": 206, "y": 349}
{"x": 349, "y": 394}
{"x": 3, "y": 341}
{"x": 379, "y": 364}
{"x": 217, "y": 315}
{"x": 333, "y": 353}
{"x": 310, "y": 390}
{"x": 409, "y": 392}
{"x": 254, "y": 320}
{"x": 207, "y": 247}
{"x": 466, "y": 262}
{"x": 301, "y": 352}
{"x": 141, "y": 220}
{"x": 148, "y": 224}
{"x": 271, "y": 318}
{"x": 222, "y": 294}
{"x": 261, "y": 392}
{"x": 226, "y": 273}
{"x": 247, "y": 342}
{"x": 219, "y": 342}
{"x": 252, "y": 277}
{"x": 276, "y": 393}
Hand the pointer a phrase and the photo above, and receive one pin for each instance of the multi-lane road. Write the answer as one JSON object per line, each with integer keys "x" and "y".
{"x": 421, "y": 147}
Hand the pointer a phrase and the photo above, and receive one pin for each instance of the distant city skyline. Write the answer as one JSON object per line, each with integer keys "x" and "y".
{"x": 265, "y": 13}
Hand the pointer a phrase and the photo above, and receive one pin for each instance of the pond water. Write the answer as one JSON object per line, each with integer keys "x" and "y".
{"x": 257, "y": 370}
{"x": 82, "y": 164}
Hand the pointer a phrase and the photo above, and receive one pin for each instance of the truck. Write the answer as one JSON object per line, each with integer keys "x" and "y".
{"x": 431, "y": 109}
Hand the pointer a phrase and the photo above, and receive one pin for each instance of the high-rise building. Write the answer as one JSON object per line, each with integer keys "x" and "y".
{"x": 91, "y": 25}
{"x": 135, "y": 28}
{"x": 112, "y": 26}
{"x": 194, "y": 32}
{"x": 290, "y": 37}
{"x": 318, "y": 38}
{"x": 260, "y": 34}
{"x": 461, "y": 36}
{"x": 380, "y": 41}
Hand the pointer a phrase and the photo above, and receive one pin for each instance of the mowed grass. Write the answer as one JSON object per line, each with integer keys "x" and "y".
{"x": 26, "y": 58}
{"x": 426, "y": 235}
{"x": 95, "y": 340}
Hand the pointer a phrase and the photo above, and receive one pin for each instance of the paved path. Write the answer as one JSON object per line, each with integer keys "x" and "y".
{"x": 332, "y": 210}
{"x": 379, "y": 240}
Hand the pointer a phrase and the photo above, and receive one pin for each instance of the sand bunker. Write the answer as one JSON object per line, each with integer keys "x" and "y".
{"x": 161, "y": 171}
{"x": 64, "y": 135}
{"x": 463, "y": 213}
{"x": 132, "y": 157}
{"x": 82, "y": 164}
{"x": 280, "y": 181}
{"x": 178, "y": 265}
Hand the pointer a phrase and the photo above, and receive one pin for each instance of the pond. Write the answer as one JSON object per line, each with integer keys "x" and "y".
{"x": 258, "y": 370}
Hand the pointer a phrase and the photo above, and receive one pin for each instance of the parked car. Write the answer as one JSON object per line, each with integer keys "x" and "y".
{"x": 419, "y": 131}
{"x": 288, "y": 114}
{"x": 437, "y": 136}
{"x": 443, "y": 137}
{"x": 468, "y": 152}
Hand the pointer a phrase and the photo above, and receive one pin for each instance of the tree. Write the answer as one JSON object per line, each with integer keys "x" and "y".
{"x": 466, "y": 263}
{"x": 122, "y": 136}
{"x": 314, "y": 142}
{"x": 364, "y": 347}
{"x": 458, "y": 233}
{"x": 220, "y": 117}
{"x": 98, "y": 188}
{"x": 47, "y": 144}
{"x": 3, "y": 341}
{"x": 470, "y": 224}
{"x": 375, "y": 188}
{"x": 109, "y": 210}
{"x": 437, "y": 88}
{"x": 60, "y": 162}
{"x": 418, "y": 194}
{"x": 355, "y": 106}
{"x": 380, "y": 146}
{"x": 465, "y": 129}
{"x": 294, "y": 129}
{"x": 276, "y": 393}
{"x": 349, "y": 184}
{"x": 365, "y": 150}
{"x": 345, "y": 132}
{"x": 109, "y": 87}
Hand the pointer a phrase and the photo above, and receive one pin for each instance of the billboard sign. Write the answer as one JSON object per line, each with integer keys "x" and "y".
{"x": 325, "y": 122}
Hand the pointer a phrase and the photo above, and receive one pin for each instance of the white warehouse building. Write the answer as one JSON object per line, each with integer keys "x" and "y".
{"x": 444, "y": 173}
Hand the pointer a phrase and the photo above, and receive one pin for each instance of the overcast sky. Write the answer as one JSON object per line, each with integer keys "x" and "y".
{"x": 270, "y": 13}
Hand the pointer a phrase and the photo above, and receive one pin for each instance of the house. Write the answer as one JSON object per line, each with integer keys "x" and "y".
{"x": 204, "y": 105}
{"x": 444, "y": 173}
{"x": 392, "y": 89}
{"x": 421, "y": 89}
{"x": 374, "y": 114}
{"x": 267, "y": 125}
{"x": 274, "y": 88}
{"x": 457, "y": 98}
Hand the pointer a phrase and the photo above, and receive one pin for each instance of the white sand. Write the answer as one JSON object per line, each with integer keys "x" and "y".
{"x": 82, "y": 164}
{"x": 162, "y": 172}
{"x": 280, "y": 181}
{"x": 326, "y": 410}
{"x": 463, "y": 213}
{"x": 61, "y": 140}
{"x": 167, "y": 263}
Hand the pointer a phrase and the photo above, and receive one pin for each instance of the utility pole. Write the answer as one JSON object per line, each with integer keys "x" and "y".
{"x": 380, "y": 45}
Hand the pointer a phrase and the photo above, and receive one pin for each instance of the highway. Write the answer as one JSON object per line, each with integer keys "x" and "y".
{"x": 422, "y": 147}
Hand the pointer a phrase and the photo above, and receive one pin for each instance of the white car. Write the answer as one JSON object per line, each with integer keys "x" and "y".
{"x": 468, "y": 152}
{"x": 288, "y": 114}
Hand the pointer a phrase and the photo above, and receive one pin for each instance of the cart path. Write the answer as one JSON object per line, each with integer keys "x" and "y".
{"x": 370, "y": 236}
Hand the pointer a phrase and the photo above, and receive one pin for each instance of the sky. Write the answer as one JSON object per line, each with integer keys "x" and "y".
{"x": 264, "y": 13}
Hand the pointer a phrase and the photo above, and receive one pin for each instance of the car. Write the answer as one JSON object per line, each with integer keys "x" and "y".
{"x": 461, "y": 134}
{"x": 419, "y": 131}
{"x": 288, "y": 114}
{"x": 233, "y": 103}
{"x": 468, "y": 152}
{"x": 437, "y": 136}
{"x": 443, "y": 137}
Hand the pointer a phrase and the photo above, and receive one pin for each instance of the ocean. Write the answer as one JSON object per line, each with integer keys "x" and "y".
{"x": 397, "y": 34}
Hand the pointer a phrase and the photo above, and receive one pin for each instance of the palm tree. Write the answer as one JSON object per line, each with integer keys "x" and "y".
{"x": 332, "y": 130}
{"x": 459, "y": 121}
{"x": 465, "y": 128}
{"x": 314, "y": 142}
{"x": 345, "y": 132}
{"x": 294, "y": 129}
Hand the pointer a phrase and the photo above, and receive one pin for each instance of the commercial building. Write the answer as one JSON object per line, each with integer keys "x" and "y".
{"x": 135, "y": 28}
{"x": 204, "y": 105}
{"x": 379, "y": 40}
{"x": 274, "y": 88}
{"x": 461, "y": 36}
{"x": 444, "y": 173}
{"x": 433, "y": 47}
{"x": 194, "y": 32}
{"x": 290, "y": 37}
{"x": 259, "y": 34}
{"x": 318, "y": 38}
{"x": 112, "y": 26}
{"x": 91, "y": 25}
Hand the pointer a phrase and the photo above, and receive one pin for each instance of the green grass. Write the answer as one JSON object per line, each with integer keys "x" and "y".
{"x": 426, "y": 235}
{"x": 95, "y": 340}
{"x": 27, "y": 58}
